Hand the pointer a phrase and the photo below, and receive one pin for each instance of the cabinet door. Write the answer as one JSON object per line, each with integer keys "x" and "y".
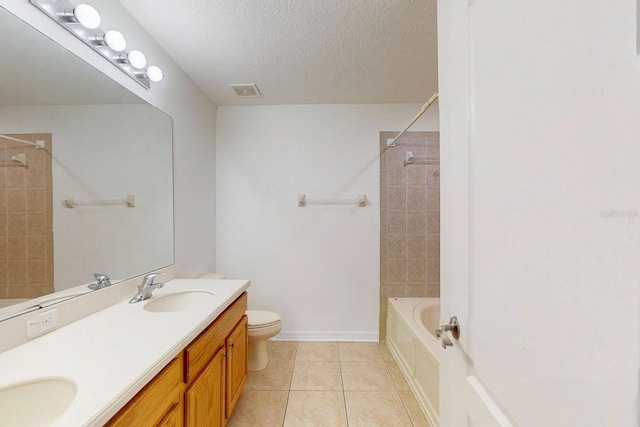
{"x": 174, "y": 418}
{"x": 237, "y": 353}
{"x": 205, "y": 398}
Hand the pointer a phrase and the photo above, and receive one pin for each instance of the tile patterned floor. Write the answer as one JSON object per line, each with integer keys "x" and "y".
{"x": 328, "y": 384}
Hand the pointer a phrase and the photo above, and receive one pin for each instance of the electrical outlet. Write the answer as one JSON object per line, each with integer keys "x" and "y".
{"x": 42, "y": 323}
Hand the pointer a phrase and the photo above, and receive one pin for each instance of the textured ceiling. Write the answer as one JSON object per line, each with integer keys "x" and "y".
{"x": 35, "y": 70}
{"x": 300, "y": 51}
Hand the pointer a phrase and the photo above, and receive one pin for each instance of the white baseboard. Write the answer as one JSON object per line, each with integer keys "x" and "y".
{"x": 326, "y": 336}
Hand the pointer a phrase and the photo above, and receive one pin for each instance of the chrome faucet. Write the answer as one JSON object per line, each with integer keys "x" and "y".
{"x": 102, "y": 281}
{"x": 146, "y": 288}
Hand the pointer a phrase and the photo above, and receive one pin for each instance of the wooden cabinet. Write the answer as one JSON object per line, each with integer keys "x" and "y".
{"x": 201, "y": 386}
{"x": 205, "y": 397}
{"x": 156, "y": 401}
{"x": 237, "y": 346}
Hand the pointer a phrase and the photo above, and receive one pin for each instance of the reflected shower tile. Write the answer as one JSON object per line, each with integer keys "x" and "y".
{"x": 433, "y": 198}
{"x": 16, "y": 224}
{"x": 416, "y": 270}
{"x": 416, "y": 246}
{"x": 416, "y": 175}
{"x": 397, "y": 222}
{"x": 433, "y": 270}
{"x": 416, "y": 222}
{"x": 396, "y": 270}
{"x": 396, "y": 198}
{"x": 17, "y": 248}
{"x": 16, "y": 201}
{"x": 433, "y": 246}
{"x": 433, "y": 175}
{"x": 433, "y": 222}
{"x": 396, "y": 175}
{"x": 397, "y": 246}
{"x": 416, "y": 199}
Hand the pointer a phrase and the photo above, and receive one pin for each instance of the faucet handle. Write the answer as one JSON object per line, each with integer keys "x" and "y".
{"x": 148, "y": 280}
{"x": 102, "y": 279}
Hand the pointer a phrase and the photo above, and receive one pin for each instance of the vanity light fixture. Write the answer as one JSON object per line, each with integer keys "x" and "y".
{"x": 135, "y": 58}
{"x": 85, "y": 15}
{"x": 83, "y": 21}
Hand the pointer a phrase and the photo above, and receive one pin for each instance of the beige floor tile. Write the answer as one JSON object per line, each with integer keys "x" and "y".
{"x": 375, "y": 409}
{"x": 397, "y": 375}
{"x": 316, "y": 409}
{"x": 282, "y": 350}
{"x": 413, "y": 408}
{"x": 259, "y": 409}
{"x": 316, "y": 376}
{"x": 276, "y": 376}
{"x": 359, "y": 351}
{"x": 317, "y": 352}
{"x": 384, "y": 350}
{"x": 366, "y": 376}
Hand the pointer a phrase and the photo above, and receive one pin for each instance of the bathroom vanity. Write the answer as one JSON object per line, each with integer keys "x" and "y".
{"x": 176, "y": 359}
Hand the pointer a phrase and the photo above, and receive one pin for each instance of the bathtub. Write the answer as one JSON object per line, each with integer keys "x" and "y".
{"x": 411, "y": 325}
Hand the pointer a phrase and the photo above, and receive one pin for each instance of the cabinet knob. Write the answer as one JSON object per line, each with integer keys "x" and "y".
{"x": 233, "y": 345}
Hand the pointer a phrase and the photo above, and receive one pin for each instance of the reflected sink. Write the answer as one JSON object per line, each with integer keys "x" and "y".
{"x": 180, "y": 301}
{"x": 36, "y": 403}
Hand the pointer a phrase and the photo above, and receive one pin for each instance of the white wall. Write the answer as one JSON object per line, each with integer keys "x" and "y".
{"x": 90, "y": 162}
{"x": 318, "y": 266}
{"x": 552, "y": 141}
{"x": 193, "y": 127}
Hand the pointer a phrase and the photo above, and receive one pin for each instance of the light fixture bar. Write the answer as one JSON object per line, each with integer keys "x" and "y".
{"x": 58, "y": 11}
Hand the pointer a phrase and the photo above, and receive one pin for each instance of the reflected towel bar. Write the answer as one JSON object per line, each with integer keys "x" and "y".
{"x": 361, "y": 201}
{"x": 37, "y": 144}
{"x": 71, "y": 202}
{"x": 410, "y": 159}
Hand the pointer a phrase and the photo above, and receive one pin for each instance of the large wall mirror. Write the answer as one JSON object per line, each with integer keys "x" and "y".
{"x": 102, "y": 144}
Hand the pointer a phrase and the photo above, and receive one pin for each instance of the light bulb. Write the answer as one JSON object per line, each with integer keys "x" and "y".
{"x": 137, "y": 59}
{"x": 115, "y": 40}
{"x": 87, "y": 16}
{"x": 154, "y": 73}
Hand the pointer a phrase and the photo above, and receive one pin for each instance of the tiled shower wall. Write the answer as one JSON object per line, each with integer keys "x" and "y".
{"x": 409, "y": 219}
{"x": 26, "y": 219}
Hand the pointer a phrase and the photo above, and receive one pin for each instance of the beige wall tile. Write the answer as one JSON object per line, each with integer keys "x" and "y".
{"x": 396, "y": 270}
{"x": 433, "y": 148}
{"x": 396, "y": 198}
{"x": 416, "y": 246}
{"x": 35, "y": 200}
{"x": 35, "y": 248}
{"x": 416, "y": 175}
{"x": 3, "y": 174}
{"x": 396, "y": 154}
{"x": 433, "y": 246}
{"x": 383, "y": 199}
{"x": 36, "y": 224}
{"x": 17, "y": 292}
{"x": 366, "y": 376}
{"x": 416, "y": 222}
{"x": 36, "y": 272}
{"x": 259, "y": 409}
{"x": 433, "y": 175}
{"x": 315, "y": 409}
{"x": 35, "y": 291}
{"x": 4, "y": 270}
{"x": 376, "y": 409}
{"x": 416, "y": 270}
{"x": 16, "y": 201}
{"x": 317, "y": 352}
{"x": 16, "y": 178}
{"x": 36, "y": 178}
{"x": 433, "y": 222}
{"x": 433, "y": 270}
{"x": 433, "y": 290}
{"x": 16, "y": 224}
{"x": 417, "y": 291}
{"x": 359, "y": 351}
{"x": 397, "y": 222}
{"x": 316, "y": 376}
{"x": 397, "y": 175}
{"x": 17, "y": 274}
{"x": 4, "y": 232}
{"x": 397, "y": 291}
{"x": 35, "y": 156}
{"x": 4, "y": 250}
{"x": 397, "y": 246}
{"x": 433, "y": 198}
{"x": 17, "y": 248}
{"x": 416, "y": 199}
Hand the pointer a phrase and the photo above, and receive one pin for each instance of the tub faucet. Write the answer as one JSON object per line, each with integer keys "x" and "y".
{"x": 146, "y": 288}
{"x": 102, "y": 281}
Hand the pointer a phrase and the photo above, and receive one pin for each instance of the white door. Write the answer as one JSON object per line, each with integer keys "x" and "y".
{"x": 540, "y": 186}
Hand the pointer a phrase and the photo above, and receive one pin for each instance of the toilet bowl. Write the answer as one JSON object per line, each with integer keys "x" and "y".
{"x": 262, "y": 326}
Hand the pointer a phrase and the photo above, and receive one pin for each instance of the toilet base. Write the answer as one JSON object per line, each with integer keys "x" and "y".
{"x": 258, "y": 356}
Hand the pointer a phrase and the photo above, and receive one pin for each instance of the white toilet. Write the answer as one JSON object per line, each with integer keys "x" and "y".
{"x": 262, "y": 326}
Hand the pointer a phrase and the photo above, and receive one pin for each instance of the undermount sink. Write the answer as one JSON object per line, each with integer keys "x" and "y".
{"x": 36, "y": 403}
{"x": 179, "y": 301}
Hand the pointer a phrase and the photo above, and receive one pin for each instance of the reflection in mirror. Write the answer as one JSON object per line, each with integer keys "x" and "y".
{"x": 102, "y": 145}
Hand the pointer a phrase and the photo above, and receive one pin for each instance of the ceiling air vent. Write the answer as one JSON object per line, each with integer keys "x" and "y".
{"x": 246, "y": 91}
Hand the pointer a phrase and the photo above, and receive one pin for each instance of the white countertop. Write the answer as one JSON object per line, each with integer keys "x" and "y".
{"x": 113, "y": 353}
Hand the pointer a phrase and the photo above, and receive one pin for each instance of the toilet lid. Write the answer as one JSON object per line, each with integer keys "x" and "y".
{"x": 258, "y": 318}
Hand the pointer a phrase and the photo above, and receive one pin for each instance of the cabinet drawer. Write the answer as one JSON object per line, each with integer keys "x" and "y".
{"x": 202, "y": 349}
{"x": 155, "y": 400}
